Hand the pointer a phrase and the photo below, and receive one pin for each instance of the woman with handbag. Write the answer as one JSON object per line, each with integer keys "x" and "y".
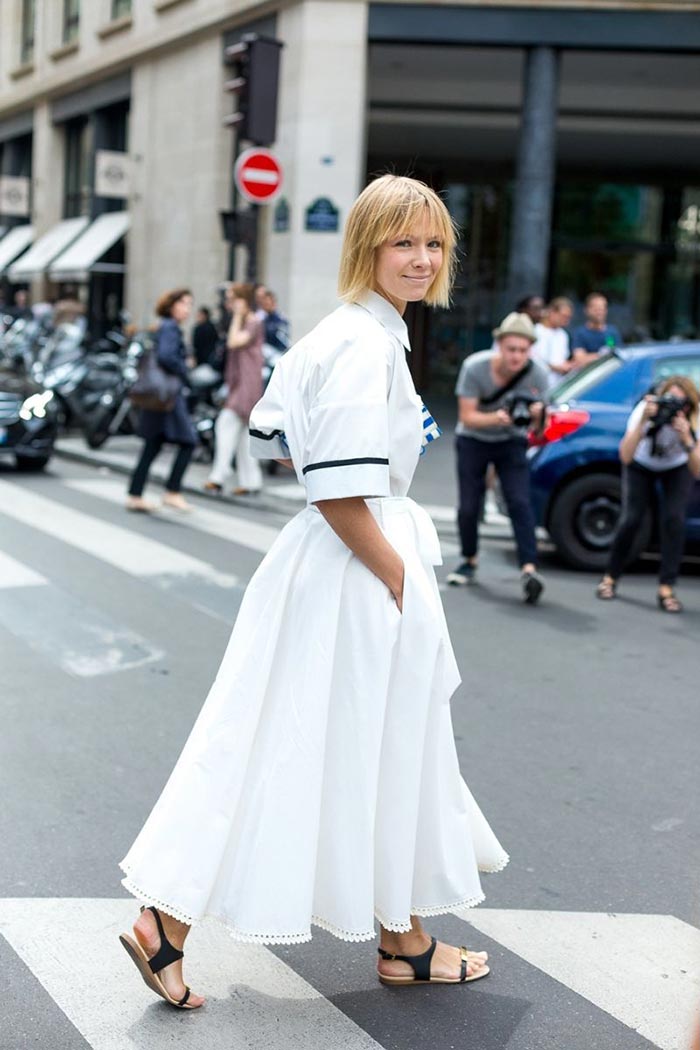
{"x": 243, "y": 378}
{"x": 660, "y": 447}
{"x": 173, "y": 425}
{"x": 321, "y": 783}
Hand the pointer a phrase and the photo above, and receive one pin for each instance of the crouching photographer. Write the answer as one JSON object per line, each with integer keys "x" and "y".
{"x": 660, "y": 446}
{"x": 501, "y": 395}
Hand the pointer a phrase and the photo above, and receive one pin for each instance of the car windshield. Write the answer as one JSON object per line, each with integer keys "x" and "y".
{"x": 578, "y": 384}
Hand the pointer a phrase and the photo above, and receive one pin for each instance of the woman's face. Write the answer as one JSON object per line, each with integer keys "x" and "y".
{"x": 181, "y": 309}
{"x": 407, "y": 265}
{"x": 677, "y": 391}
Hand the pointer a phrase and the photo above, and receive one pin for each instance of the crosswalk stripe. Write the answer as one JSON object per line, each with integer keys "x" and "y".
{"x": 254, "y": 1000}
{"x": 243, "y": 531}
{"x": 644, "y": 970}
{"x": 120, "y": 547}
{"x": 14, "y": 574}
{"x": 81, "y": 639}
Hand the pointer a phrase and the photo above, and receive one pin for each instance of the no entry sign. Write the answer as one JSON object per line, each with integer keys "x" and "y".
{"x": 258, "y": 175}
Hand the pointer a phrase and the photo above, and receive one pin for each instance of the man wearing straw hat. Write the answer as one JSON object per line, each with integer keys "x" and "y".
{"x": 501, "y": 395}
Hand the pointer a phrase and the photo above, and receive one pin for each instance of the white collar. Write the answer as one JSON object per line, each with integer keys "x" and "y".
{"x": 387, "y": 315}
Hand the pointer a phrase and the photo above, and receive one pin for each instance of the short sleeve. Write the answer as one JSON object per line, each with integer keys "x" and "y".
{"x": 467, "y": 385}
{"x": 346, "y": 452}
{"x": 266, "y": 424}
{"x": 635, "y": 416}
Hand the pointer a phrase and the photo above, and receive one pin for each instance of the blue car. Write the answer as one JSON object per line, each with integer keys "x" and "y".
{"x": 575, "y": 467}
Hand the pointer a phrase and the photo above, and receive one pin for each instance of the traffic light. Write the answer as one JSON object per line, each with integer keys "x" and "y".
{"x": 254, "y": 65}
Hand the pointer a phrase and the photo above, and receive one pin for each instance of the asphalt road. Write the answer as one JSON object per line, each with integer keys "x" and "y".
{"x": 577, "y": 728}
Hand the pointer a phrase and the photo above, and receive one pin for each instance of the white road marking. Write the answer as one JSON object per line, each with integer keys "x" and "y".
{"x": 254, "y": 1000}
{"x": 644, "y": 970}
{"x": 14, "y": 574}
{"x": 120, "y": 547}
{"x": 79, "y": 638}
{"x": 243, "y": 531}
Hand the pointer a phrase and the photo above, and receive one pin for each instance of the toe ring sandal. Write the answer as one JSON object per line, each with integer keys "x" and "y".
{"x": 421, "y": 968}
{"x": 150, "y": 968}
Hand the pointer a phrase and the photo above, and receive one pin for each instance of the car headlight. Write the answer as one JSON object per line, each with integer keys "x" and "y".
{"x": 35, "y": 405}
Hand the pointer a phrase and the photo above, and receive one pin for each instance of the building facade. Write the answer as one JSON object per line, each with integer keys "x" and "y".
{"x": 565, "y": 137}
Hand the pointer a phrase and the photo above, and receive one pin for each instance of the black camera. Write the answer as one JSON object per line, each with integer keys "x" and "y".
{"x": 667, "y": 408}
{"x": 517, "y": 405}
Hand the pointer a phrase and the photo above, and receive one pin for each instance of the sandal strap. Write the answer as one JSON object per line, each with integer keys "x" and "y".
{"x": 463, "y": 966}
{"x": 185, "y": 996}
{"x": 167, "y": 953}
{"x": 419, "y": 963}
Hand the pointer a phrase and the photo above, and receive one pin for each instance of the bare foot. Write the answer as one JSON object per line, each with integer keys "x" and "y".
{"x": 177, "y": 501}
{"x": 137, "y": 503}
{"x": 146, "y": 933}
{"x": 446, "y": 962}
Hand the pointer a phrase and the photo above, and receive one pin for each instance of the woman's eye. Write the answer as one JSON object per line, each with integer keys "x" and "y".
{"x": 403, "y": 244}
{"x": 435, "y": 244}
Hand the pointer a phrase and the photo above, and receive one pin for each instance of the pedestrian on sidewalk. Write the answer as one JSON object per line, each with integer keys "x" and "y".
{"x": 321, "y": 784}
{"x": 204, "y": 338}
{"x": 501, "y": 395}
{"x": 243, "y": 378}
{"x": 552, "y": 346}
{"x": 173, "y": 427}
{"x": 596, "y": 336}
{"x": 667, "y": 455}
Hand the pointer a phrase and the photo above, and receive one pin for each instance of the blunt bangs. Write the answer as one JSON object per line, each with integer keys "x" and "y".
{"x": 390, "y": 206}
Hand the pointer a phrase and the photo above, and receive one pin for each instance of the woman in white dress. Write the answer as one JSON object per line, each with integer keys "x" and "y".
{"x": 320, "y": 784}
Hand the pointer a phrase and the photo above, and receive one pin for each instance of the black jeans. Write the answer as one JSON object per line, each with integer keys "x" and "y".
{"x": 151, "y": 448}
{"x": 510, "y": 460}
{"x": 638, "y": 486}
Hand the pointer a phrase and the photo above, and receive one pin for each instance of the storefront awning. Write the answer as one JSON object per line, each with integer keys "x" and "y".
{"x": 39, "y": 257}
{"x": 14, "y": 242}
{"x": 82, "y": 258}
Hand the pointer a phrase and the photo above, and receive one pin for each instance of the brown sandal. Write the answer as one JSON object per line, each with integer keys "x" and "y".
{"x": 150, "y": 968}
{"x": 421, "y": 968}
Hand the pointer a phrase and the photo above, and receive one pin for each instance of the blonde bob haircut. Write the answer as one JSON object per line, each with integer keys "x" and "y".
{"x": 391, "y": 206}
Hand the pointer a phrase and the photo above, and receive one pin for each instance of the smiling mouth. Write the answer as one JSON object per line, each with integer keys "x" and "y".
{"x": 417, "y": 276}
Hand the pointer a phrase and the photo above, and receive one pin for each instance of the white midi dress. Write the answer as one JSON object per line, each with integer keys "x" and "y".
{"x": 320, "y": 784}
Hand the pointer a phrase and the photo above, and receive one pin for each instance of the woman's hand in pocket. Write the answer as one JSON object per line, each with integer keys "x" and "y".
{"x": 396, "y": 588}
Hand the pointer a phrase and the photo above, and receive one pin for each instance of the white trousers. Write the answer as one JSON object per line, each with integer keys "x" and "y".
{"x": 232, "y": 438}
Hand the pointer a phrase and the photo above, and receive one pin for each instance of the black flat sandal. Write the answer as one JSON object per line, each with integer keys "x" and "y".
{"x": 421, "y": 968}
{"x": 150, "y": 968}
{"x": 668, "y": 603}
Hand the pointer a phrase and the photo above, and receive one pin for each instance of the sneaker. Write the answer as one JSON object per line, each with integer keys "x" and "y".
{"x": 462, "y": 575}
{"x": 533, "y": 585}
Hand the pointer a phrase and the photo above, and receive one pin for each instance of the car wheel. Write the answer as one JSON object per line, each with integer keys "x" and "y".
{"x": 31, "y": 463}
{"x": 583, "y": 520}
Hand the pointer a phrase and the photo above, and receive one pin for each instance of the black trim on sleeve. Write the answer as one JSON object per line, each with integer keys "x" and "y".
{"x": 266, "y": 437}
{"x": 344, "y": 463}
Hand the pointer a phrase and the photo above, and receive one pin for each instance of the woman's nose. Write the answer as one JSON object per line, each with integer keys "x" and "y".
{"x": 421, "y": 257}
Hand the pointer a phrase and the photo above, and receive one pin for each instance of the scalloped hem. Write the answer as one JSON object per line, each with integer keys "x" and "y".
{"x": 246, "y": 937}
{"x": 493, "y": 869}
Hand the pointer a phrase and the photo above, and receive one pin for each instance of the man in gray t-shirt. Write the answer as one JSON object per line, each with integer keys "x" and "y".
{"x": 501, "y": 395}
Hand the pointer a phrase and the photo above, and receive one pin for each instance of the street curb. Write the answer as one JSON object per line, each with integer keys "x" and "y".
{"x": 156, "y": 476}
{"x": 280, "y": 506}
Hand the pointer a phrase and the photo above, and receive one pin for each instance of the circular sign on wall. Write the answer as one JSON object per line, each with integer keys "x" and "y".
{"x": 258, "y": 175}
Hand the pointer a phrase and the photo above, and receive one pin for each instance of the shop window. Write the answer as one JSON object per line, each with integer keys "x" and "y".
{"x": 26, "y": 51}
{"x": 120, "y": 9}
{"x": 71, "y": 20}
{"x": 78, "y": 184}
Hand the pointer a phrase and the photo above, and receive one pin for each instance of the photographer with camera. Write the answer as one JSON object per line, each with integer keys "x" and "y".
{"x": 660, "y": 445}
{"x": 501, "y": 395}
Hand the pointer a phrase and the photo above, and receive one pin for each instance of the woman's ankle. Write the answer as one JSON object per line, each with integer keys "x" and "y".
{"x": 413, "y": 942}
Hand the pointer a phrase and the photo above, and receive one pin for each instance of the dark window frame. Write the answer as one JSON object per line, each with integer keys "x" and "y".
{"x": 71, "y": 20}
{"x": 27, "y": 32}
{"x": 120, "y": 9}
